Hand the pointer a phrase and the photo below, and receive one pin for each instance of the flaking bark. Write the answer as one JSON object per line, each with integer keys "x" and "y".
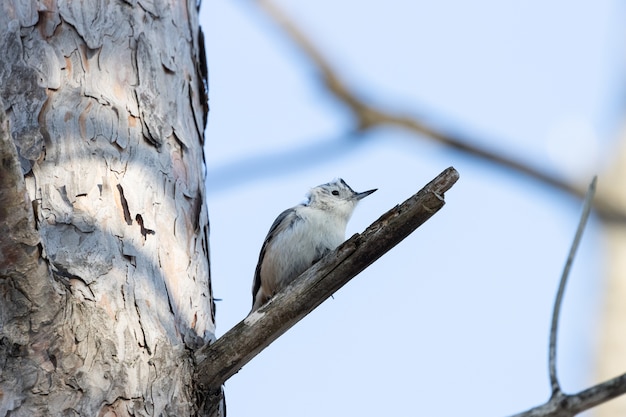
{"x": 104, "y": 272}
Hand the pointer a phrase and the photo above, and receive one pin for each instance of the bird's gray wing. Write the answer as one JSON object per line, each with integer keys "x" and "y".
{"x": 285, "y": 220}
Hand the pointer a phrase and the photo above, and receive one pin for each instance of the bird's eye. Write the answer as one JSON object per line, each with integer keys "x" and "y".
{"x": 335, "y": 192}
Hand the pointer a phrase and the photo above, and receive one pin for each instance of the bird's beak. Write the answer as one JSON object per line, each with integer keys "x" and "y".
{"x": 364, "y": 194}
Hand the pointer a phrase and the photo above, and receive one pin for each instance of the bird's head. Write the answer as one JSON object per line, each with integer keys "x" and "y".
{"x": 337, "y": 197}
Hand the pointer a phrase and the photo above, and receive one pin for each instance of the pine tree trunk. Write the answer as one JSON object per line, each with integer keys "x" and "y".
{"x": 104, "y": 269}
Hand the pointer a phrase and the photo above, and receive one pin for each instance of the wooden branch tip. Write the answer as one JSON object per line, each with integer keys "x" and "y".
{"x": 444, "y": 181}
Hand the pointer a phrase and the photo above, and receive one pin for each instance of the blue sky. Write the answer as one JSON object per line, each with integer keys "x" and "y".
{"x": 455, "y": 319}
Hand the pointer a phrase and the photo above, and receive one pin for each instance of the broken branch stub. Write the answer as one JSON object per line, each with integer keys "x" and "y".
{"x": 225, "y": 357}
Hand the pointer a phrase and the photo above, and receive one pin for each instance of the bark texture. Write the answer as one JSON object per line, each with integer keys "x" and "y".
{"x": 104, "y": 270}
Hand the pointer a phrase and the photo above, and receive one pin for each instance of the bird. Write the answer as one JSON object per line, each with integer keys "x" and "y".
{"x": 300, "y": 236}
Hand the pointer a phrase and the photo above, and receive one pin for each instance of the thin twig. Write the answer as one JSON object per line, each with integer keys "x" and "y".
{"x": 554, "y": 382}
{"x": 369, "y": 115}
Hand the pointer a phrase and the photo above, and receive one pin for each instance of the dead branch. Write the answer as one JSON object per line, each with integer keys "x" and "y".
{"x": 221, "y": 360}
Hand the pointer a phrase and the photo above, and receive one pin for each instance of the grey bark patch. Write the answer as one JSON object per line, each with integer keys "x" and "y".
{"x": 23, "y": 98}
{"x": 83, "y": 255}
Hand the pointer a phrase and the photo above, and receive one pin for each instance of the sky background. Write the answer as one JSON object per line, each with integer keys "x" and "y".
{"x": 454, "y": 320}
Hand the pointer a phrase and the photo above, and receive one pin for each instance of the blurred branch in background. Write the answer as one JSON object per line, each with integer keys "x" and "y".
{"x": 281, "y": 163}
{"x": 368, "y": 115}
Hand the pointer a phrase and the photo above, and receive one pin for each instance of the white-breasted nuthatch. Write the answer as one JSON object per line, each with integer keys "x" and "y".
{"x": 302, "y": 235}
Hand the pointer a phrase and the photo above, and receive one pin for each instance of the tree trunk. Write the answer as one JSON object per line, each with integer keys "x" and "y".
{"x": 104, "y": 269}
{"x": 611, "y": 357}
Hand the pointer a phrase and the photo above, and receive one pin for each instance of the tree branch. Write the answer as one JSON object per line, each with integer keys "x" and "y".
{"x": 369, "y": 115}
{"x": 221, "y": 360}
{"x": 563, "y": 405}
{"x": 560, "y": 404}
{"x": 554, "y": 382}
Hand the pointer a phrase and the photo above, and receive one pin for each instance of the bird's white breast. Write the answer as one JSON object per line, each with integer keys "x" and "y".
{"x": 295, "y": 250}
